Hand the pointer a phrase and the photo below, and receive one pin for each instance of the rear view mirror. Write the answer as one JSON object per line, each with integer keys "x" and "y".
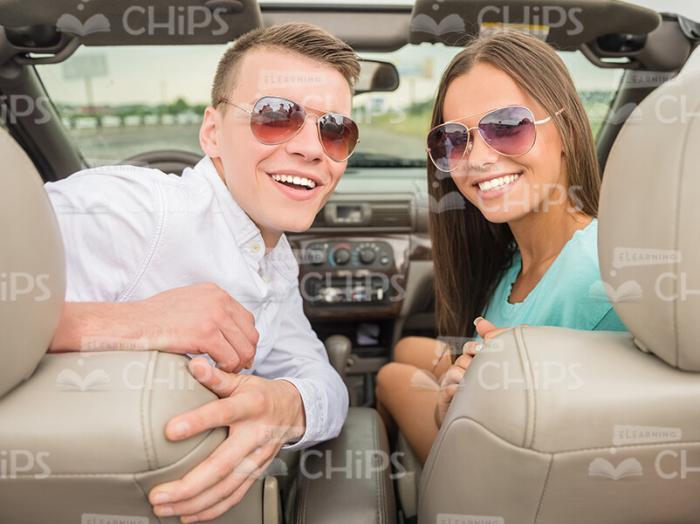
{"x": 376, "y": 76}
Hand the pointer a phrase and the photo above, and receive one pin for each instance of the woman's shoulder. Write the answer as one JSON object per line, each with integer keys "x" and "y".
{"x": 579, "y": 285}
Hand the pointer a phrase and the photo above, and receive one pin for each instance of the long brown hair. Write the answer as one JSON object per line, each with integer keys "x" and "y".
{"x": 470, "y": 254}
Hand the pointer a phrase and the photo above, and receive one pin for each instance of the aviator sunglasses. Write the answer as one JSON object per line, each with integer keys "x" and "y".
{"x": 274, "y": 120}
{"x": 509, "y": 130}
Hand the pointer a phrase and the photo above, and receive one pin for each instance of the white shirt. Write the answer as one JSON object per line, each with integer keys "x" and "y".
{"x": 131, "y": 232}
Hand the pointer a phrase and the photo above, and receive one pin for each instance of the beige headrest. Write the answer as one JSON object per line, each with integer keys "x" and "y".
{"x": 32, "y": 266}
{"x": 649, "y": 223}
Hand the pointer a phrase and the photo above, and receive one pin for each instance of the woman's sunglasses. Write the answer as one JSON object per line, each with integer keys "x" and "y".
{"x": 510, "y": 131}
{"x": 274, "y": 120}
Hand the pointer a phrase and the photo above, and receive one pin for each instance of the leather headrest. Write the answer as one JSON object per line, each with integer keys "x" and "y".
{"x": 649, "y": 223}
{"x": 32, "y": 266}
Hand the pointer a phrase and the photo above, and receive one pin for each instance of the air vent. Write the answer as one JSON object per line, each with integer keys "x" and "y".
{"x": 391, "y": 214}
{"x": 381, "y": 214}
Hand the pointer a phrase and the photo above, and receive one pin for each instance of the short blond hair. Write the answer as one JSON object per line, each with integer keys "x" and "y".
{"x": 298, "y": 37}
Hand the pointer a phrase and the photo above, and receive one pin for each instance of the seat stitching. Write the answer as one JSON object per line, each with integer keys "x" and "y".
{"x": 146, "y": 433}
{"x": 544, "y": 489}
{"x": 530, "y": 404}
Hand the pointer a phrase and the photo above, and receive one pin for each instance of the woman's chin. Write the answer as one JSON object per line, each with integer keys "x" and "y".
{"x": 501, "y": 215}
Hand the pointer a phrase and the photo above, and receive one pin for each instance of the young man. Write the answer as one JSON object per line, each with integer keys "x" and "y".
{"x": 200, "y": 264}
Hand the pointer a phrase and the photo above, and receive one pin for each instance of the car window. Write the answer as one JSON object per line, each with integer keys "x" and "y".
{"x": 117, "y": 102}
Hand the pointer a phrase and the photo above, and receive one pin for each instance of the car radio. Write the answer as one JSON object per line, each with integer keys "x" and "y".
{"x": 352, "y": 272}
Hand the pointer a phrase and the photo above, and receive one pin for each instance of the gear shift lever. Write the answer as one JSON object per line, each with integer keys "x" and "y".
{"x": 339, "y": 348}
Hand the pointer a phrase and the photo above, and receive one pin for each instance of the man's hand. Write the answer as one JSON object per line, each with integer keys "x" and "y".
{"x": 201, "y": 318}
{"x": 261, "y": 415}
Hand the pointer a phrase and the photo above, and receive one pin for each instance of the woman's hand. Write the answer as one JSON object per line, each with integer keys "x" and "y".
{"x": 451, "y": 379}
{"x": 453, "y": 376}
{"x": 486, "y": 329}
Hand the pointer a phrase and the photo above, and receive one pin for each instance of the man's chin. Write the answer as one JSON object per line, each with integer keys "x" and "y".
{"x": 296, "y": 226}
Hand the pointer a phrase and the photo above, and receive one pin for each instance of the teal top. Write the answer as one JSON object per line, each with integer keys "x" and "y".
{"x": 570, "y": 293}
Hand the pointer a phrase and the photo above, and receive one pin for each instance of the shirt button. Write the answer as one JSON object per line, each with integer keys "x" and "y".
{"x": 254, "y": 247}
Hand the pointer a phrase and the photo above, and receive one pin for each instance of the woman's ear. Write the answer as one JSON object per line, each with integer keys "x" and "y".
{"x": 208, "y": 132}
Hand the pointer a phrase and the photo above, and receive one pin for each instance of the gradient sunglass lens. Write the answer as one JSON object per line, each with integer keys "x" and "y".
{"x": 447, "y": 144}
{"x": 339, "y": 135}
{"x": 274, "y": 120}
{"x": 510, "y": 130}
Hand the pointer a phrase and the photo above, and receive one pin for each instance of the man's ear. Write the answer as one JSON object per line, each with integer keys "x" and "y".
{"x": 208, "y": 137}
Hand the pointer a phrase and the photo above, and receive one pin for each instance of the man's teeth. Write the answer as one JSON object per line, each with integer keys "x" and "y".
{"x": 296, "y": 180}
{"x": 495, "y": 183}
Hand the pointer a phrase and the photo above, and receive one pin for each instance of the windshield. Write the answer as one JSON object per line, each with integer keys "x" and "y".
{"x": 117, "y": 102}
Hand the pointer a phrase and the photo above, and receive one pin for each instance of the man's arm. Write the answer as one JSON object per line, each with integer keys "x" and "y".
{"x": 197, "y": 319}
{"x": 297, "y": 398}
{"x": 111, "y": 221}
{"x": 299, "y": 357}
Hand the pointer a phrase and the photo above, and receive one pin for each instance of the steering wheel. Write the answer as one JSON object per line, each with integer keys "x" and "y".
{"x": 167, "y": 160}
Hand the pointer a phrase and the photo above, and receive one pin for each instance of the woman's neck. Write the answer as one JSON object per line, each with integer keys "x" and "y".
{"x": 540, "y": 236}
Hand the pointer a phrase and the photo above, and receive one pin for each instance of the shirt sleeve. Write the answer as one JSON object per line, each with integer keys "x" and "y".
{"x": 299, "y": 357}
{"x": 109, "y": 219}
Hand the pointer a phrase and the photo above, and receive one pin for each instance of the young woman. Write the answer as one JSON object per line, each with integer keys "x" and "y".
{"x": 510, "y": 135}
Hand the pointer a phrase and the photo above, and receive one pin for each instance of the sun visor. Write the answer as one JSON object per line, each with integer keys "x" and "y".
{"x": 106, "y": 22}
{"x": 564, "y": 24}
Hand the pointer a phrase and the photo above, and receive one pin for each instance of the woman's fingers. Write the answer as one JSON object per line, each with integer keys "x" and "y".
{"x": 471, "y": 348}
{"x": 483, "y": 326}
{"x": 463, "y": 361}
{"x": 452, "y": 376}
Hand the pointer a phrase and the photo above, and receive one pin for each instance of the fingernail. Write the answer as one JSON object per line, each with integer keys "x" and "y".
{"x": 160, "y": 498}
{"x": 180, "y": 429}
{"x": 164, "y": 511}
{"x": 477, "y": 320}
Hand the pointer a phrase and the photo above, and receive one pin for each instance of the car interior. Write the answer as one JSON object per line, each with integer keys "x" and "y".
{"x": 511, "y": 455}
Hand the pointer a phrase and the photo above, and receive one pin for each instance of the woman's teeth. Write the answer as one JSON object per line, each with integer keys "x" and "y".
{"x": 499, "y": 182}
{"x": 295, "y": 180}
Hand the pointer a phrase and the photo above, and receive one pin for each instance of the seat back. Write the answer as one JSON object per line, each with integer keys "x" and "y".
{"x": 82, "y": 434}
{"x": 555, "y": 425}
{"x": 32, "y": 270}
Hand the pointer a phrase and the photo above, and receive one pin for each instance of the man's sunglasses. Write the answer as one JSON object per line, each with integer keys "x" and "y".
{"x": 274, "y": 120}
{"x": 510, "y": 131}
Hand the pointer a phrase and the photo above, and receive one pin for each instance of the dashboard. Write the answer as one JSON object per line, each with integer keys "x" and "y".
{"x": 365, "y": 268}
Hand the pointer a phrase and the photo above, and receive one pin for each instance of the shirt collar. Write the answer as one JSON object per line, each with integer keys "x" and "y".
{"x": 246, "y": 234}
